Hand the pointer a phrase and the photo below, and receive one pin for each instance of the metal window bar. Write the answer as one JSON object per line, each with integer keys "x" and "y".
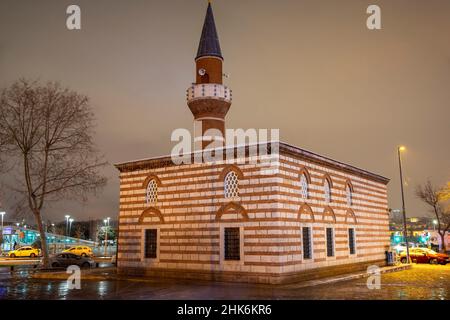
{"x": 232, "y": 244}
{"x": 330, "y": 245}
{"x": 307, "y": 252}
{"x": 351, "y": 240}
{"x": 150, "y": 243}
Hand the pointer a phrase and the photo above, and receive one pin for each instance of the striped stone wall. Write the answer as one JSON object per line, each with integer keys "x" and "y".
{"x": 191, "y": 213}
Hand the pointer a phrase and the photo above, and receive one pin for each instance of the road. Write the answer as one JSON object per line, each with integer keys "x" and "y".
{"x": 6, "y": 262}
{"x": 420, "y": 282}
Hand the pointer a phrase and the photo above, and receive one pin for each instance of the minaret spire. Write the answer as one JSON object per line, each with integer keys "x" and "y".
{"x": 209, "y": 42}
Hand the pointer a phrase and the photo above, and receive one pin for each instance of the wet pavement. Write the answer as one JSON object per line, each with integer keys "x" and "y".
{"x": 420, "y": 282}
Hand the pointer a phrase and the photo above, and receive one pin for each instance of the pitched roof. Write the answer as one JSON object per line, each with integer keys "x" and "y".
{"x": 209, "y": 42}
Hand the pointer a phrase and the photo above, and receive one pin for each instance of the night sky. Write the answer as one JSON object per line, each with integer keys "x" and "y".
{"x": 310, "y": 68}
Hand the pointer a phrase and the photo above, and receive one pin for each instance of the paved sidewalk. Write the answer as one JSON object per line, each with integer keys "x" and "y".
{"x": 103, "y": 274}
{"x": 346, "y": 277}
{"x": 418, "y": 281}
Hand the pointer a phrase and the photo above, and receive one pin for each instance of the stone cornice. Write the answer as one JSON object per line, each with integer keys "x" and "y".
{"x": 285, "y": 149}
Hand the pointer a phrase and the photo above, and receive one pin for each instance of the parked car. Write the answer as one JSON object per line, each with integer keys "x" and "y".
{"x": 63, "y": 260}
{"x": 80, "y": 251}
{"x": 423, "y": 255}
{"x": 26, "y": 251}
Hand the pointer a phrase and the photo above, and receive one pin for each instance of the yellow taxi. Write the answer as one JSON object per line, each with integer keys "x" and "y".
{"x": 80, "y": 251}
{"x": 26, "y": 251}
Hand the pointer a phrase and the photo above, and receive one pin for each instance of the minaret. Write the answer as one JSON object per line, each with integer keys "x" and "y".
{"x": 208, "y": 99}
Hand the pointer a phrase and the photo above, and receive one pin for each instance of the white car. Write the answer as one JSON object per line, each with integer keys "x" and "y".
{"x": 401, "y": 247}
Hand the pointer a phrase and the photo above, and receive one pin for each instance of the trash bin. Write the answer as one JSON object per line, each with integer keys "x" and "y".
{"x": 390, "y": 258}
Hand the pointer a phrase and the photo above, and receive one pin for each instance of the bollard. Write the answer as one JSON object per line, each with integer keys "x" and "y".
{"x": 12, "y": 268}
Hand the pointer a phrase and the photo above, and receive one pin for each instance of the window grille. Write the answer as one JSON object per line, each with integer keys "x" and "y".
{"x": 330, "y": 242}
{"x": 152, "y": 192}
{"x": 231, "y": 185}
{"x": 151, "y": 243}
{"x": 232, "y": 244}
{"x": 327, "y": 191}
{"x": 304, "y": 187}
{"x": 351, "y": 240}
{"x": 348, "y": 191}
{"x": 307, "y": 250}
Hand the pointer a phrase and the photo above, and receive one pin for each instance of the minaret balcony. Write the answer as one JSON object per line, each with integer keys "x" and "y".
{"x": 209, "y": 91}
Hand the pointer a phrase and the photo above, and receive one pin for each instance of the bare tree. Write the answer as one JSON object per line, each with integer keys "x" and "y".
{"x": 79, "y": 231}
{"x": 434, "y": 197}
{"x": 46, "y": 132}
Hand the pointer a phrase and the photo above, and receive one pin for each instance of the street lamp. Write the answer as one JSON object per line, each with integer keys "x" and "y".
{"x": 70, "y": 225}
{"x": 435, "y": 222}
{"x": 106, "y": 234}
{"x": 67, "y": 223}
{"x": 400, "y": 149}
{"x": 2, "y": 214}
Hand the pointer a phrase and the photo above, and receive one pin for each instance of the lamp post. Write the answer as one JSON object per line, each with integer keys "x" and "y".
{"x": 435, "y": 222}
{"x": 67, "y": 224}
{"x": 106, "y": 234}
{"x": 405, "y": 231}
{"x": 1, "y": 235}
{"x": 70, "y": 225}
{"x": 2, "y": 214}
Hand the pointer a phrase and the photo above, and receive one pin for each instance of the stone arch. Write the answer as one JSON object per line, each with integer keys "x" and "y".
{"x": 328, "y": 215}
{"x": 149, "y": 178}
{"x": 350, "y": 217}
{"x": 326, "y": 176}
{"x": 304, "y": 171}
{"x": 232, "y": 208}
{"x": 151, "y": 213}
{"x": 305, "y": 213}
{"x": 349, "y": 183}
{"x": 228, "y": 168}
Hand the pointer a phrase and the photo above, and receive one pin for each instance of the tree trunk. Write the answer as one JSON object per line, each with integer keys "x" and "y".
{"x": 443, "y": 248}
{"x": 43, "y": 237}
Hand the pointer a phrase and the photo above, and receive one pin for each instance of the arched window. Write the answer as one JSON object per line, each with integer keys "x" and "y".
{"x": 152, "y": 192}
{"x": 304, "y": 186}
{"x": 348, "y": 191}
{"x": 231, "y": 185}
{"x": 327, "y": 191}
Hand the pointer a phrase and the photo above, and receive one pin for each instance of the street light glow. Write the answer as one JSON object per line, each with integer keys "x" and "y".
{"x": 2, "y": 214}
{"x": 402, "y": 148}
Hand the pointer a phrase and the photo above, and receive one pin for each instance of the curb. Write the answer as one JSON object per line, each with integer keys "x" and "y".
{"x": 346, "y": 277}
